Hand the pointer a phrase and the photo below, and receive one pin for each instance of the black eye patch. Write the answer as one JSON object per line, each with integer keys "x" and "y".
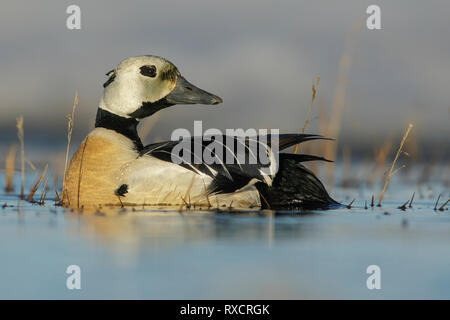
{"x": 148, "y": 71}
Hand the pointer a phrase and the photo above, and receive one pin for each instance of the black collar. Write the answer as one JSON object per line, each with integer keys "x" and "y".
{"x": 124, "y": 126}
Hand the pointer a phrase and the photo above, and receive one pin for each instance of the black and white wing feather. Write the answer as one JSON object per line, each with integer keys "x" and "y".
{"x": 233, "y": 162}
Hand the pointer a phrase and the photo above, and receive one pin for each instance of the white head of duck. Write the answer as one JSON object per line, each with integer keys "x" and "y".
{"x": 140, "y": 86}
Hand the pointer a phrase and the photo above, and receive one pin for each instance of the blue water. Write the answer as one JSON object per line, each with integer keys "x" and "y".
{"x": 156, "y": 254}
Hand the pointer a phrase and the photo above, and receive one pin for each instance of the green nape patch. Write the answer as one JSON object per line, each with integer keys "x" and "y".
{"x": 169, "y": 73}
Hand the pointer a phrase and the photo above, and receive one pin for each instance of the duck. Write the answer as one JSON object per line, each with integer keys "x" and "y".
{"x": 112, "y": 167}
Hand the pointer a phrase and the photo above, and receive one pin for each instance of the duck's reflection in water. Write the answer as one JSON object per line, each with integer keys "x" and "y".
{"x": 132, "y": 232}
{"x": 197, "y": 253}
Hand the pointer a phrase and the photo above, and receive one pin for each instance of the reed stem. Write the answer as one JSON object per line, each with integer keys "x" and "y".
{"x": 391, "y": 170}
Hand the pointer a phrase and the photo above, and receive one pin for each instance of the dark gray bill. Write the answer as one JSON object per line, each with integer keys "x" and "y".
{"x": 186, "y": 93}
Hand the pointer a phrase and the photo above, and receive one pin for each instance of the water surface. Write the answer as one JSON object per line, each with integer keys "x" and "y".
{"x": 168, "y": 254}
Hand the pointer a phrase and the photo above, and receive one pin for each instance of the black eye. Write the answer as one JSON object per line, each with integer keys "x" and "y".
{"x": 148, "y": 71}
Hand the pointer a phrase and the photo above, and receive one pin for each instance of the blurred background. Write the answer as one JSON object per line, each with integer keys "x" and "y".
{"x": 260, "y": 56}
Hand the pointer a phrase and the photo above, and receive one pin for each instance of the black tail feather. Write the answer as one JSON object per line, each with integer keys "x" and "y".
{"x": 291, "y": 139}
{"x": 295, "y": 186}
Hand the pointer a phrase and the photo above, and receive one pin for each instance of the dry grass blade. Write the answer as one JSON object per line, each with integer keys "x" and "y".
{"x": 10, "y": 167}
{"x": 185, "y": 202}
{"x": 403, "y": 206}
{"x": 337, "y": 108}
{"x": 265, "y": 201}
{"x": 70, "y": 119}
{"x": 188, "y": 192}
{"x": 57, "y": 197}
{"x": 30, "y": 164}
{"x": 19, "y": 124}
{"x": 120, "y": 201}
{"x": 391, "y": 170}
{"x": 314, "y": 91}
{"x": 349, "y": 206}
{"x": 36, "y": 184}
{"x": 444, "y": 205}
{"x": 313, "y": 97}
{"x": 437, "y": 202}
{"x": 396, "y": 170}
{"x": 206, "y": 194}
{"x": 43, "y": 193}
{"x": 80, "y": 171}
{"x": 412, "y": 199}
{"x": 43, "y": 199}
